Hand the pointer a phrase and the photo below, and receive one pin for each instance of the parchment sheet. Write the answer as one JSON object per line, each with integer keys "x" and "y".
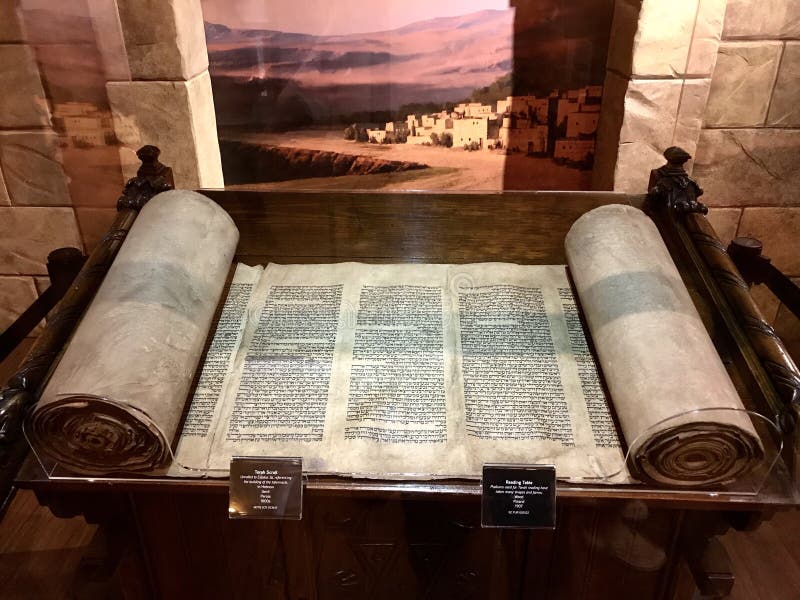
{"x": 428, "y": 305}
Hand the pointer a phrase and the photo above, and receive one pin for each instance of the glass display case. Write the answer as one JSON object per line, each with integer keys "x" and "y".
{"x": 354, "y": 529}
{"x": 396, "y": 133}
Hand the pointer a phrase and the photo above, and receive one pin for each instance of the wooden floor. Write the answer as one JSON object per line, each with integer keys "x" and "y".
{"x": 40, "y": 555}
{"x": 767, "y": 561}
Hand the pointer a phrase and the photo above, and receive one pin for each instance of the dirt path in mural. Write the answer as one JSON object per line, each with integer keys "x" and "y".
{"x": 451, "y": 168}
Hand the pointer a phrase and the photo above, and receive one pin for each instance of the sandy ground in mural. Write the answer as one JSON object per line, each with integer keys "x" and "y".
{"x": 449, "y": 168}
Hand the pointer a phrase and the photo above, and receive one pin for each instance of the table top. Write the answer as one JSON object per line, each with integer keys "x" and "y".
{"x": 521, "y": 227}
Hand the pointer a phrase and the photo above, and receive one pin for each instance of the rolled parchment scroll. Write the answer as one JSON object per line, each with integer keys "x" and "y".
{"x": 114, "y": 402}
{"x": 116, "y": 398}
{"x": 661, "y": 367}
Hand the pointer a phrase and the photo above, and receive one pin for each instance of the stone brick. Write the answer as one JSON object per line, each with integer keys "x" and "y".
{"x": 742, "y": 83}
{"x": 725, "y": 222}
{"x": 694, "y": 95}
{"x": 651, "y": 106}
{"x": 11, "y": 27}
{"x": 16, "y": 294}
{"x": 762, "y": 19}
{"x": 176, "y": 116}
{"x": 663, "y": 35}
{"x": 22, "y": 101}
{"x": 653, "y": 38}
{"x": 61, "y": 22}
{"x": 42, "y": 283}
{"x": 94, "y": 224}
{"x": 648, "y": 127}
{"x": 779, "y": 232}
{"x": 110, "y": 39}
{"x": 129, "y": 162}
{"x": 787, "y": 326}
{"x": 31, "y": 163}
{"x": 165, "y": 39}
{"x": 95, "y": 175}
{"x": 785, "y": 108}
{"x": 204, "y": 127}
{"x": 706, "y": 37}
{"x": 4, "y": 199}
{"x": 29, "y": 234}
{"x": 634, "y": 163}
{"x": 738, "y": 167}
{"x": 72, "y": 73}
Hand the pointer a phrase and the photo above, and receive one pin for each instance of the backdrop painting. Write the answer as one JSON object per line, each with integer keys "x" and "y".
{"x": 400, "y": 94}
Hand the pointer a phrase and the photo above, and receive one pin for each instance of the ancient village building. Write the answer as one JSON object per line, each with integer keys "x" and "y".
{"x": 561, "y": 125}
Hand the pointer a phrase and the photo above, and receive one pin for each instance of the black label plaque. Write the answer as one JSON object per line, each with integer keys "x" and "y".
{"x": 519, "y": 496}
{"x": 266, "y": 488}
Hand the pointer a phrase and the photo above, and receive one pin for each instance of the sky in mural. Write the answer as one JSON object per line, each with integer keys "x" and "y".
{"x": 324, "y": 17}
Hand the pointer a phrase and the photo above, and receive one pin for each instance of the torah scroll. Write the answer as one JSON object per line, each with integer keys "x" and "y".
{"x": 115, "y": 401}
{"x": 663, "y": 372}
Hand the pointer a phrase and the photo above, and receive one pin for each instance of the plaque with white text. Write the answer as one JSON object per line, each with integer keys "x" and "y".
{"x": 518, "y": 496}
{"x": 266, "y": 488}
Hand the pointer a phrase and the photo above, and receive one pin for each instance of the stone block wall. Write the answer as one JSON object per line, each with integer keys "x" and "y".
{"x": 660, "y": 63}
{"x": 36, "y": 212}
{"x": 722, "y": 80}
{"x": 142, "y": 65}
{"x": 167, "y": 99}
{"x": 719, "y": 78}
{"x": 748, "y": 152}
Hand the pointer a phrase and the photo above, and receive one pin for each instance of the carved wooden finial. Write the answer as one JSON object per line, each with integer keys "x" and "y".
{"x": 676, "y": 156}
{"x": 672, "y": 185}
{"x": 152, "y": 178}
{"x": 151, "y": 166}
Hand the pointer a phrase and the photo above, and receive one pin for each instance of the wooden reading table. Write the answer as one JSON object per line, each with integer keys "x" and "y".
{"x": 361, "y": 538}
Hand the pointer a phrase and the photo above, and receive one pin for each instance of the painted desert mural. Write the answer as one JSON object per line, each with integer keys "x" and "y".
{"x": 469, "y": 95}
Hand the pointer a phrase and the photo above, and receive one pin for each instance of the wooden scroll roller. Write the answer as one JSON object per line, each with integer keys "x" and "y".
{"x": 672, "y": 188}
{"x": 679, "y": 411}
